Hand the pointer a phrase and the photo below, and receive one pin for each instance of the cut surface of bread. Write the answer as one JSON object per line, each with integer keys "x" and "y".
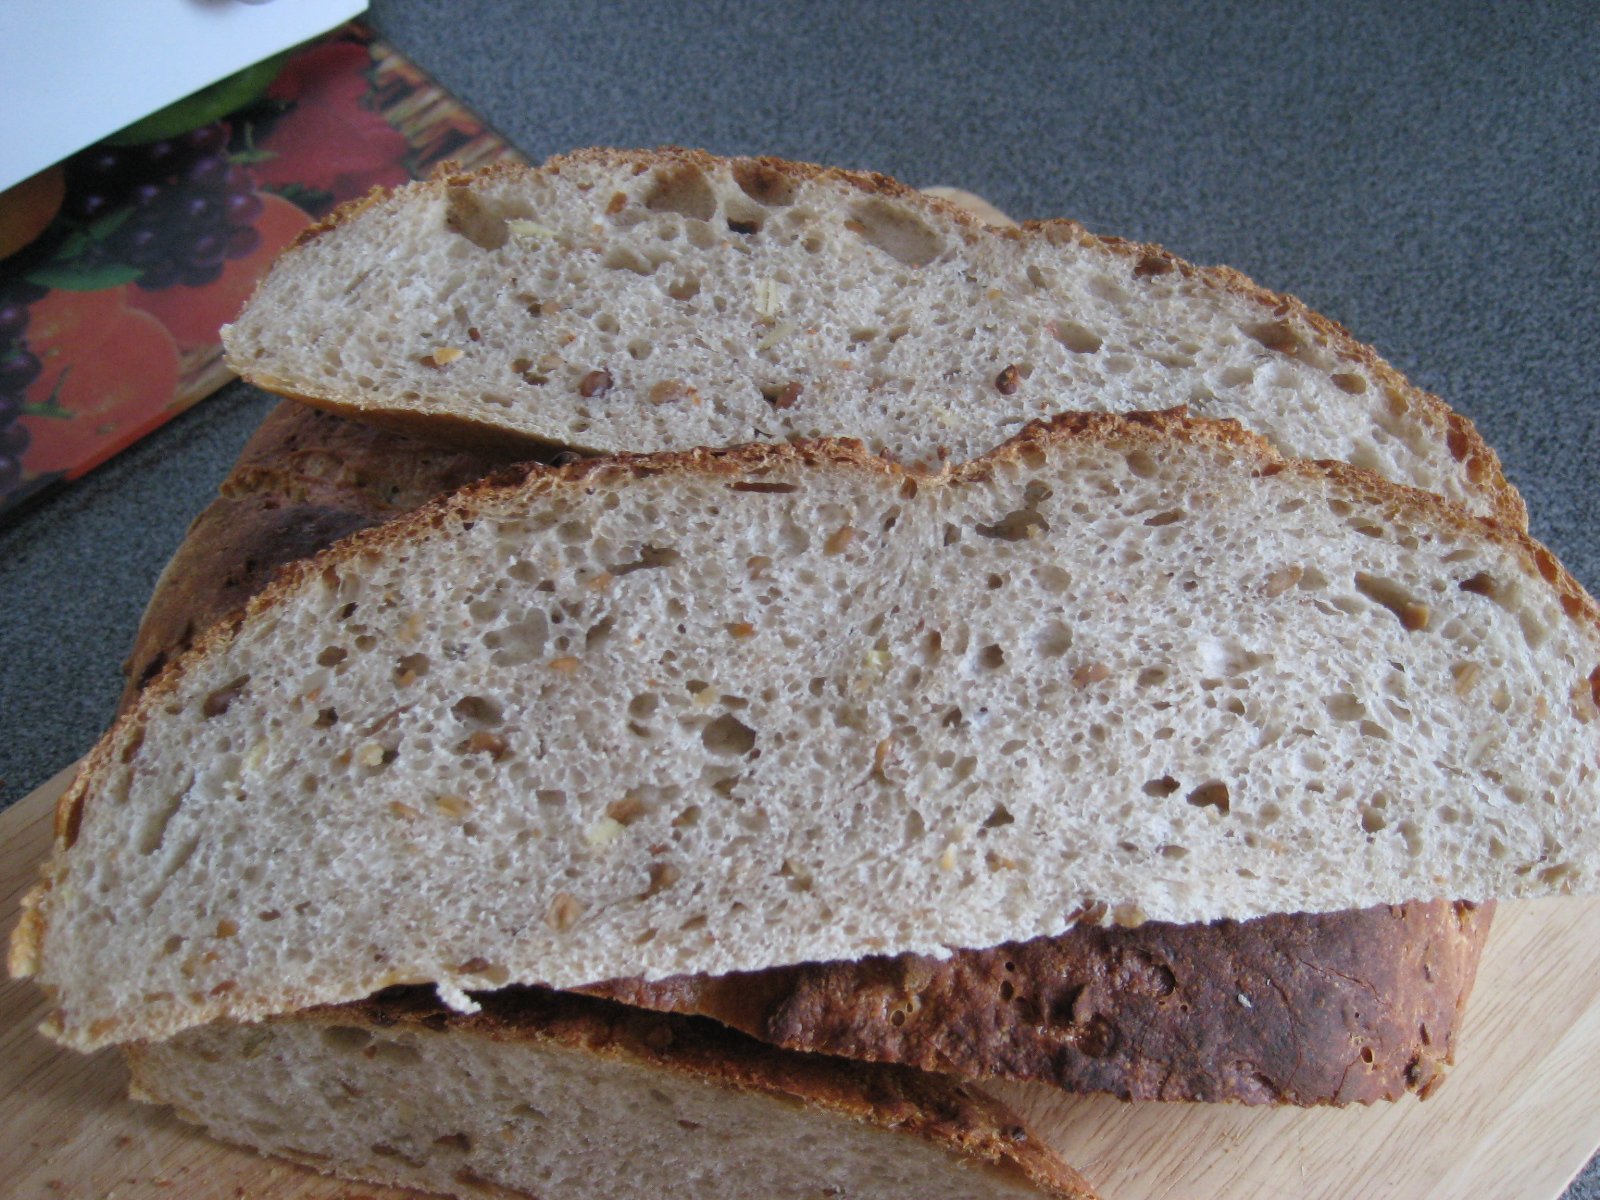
{"x": 664, "y": 300}
{"x": 712, "y": 712}
{"x": 1323, "y": 1008}
{"x": 1349, "y": 1007}
{"x": 567, "y": 1098}
{"x": 305, "y": 479}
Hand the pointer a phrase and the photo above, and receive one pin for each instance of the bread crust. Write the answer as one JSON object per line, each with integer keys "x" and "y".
{"x": 1328, "y": 1008}
{"x": 1479, "y": 461}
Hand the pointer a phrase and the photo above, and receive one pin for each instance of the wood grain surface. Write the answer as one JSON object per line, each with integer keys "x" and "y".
{"x": 1515, "y": 1120}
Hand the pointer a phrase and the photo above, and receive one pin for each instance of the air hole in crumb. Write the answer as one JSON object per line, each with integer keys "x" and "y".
{"x": 218, "y": 702}
{"x": 1075, "y": 337}
{"x": 412, "y": 667}
{"x": 1411, "y": 612}
{"x": 332, "y": 656}
{"x": 1213, "y": 794}
{"x": 625, "y": 258}
{"x": 896, "y": 231}
{"x": 1164, "y": 786}
{"x": 1016, "y": 526}
{"x": 1054, "y": 640}
{"x": 1344, "y": 706}
{"x": 728, "y": 737}
{"x": 345, "y": 1038}
{"x": 763, "y": 183}
{"x": 650, "y": 558}
{"x": 1275, "y": 335}
{"x": 467, "y": 215}
{"x": 683, "y": 190}
{"x": 991, "y": 657}
{"x": 477, "y": 710}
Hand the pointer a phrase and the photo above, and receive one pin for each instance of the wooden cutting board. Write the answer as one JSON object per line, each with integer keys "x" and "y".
{"x": 1517, "y": 1118}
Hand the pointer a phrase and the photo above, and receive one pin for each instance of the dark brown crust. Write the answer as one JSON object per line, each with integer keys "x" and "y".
{"x": 898, "y": 1100}
{"x": 1328, "y": 1008}
{"x": 1480, "y": 463}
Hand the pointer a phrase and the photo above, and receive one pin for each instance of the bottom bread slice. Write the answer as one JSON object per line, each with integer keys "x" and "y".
{"x": 567, "y": 1098}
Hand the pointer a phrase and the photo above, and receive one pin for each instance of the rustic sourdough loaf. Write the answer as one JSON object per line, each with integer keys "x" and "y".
{"x": 568, "y": 1098}
{"x": 1141, "y": 667}
{"x": 1348, "y": 1007}
{"x": 665, "y": 300}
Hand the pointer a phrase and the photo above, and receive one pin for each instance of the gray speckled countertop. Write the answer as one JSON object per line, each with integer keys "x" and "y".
{"x": 1427, "y": 174}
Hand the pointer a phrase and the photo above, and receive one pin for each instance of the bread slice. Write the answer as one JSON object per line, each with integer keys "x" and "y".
{"x": 664, "y": 300}
{"x": 713, "y": 712}
{"x": 1374, "y": 995}
{"x": 566, "y": 1098}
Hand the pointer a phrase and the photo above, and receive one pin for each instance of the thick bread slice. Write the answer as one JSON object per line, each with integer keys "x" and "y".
{"x": 566, "y": 1098}
{"x": 1350, "y": 1007}
{"x": 715, "y": 712}
{"x": 1325, "y": 1008}
{"x": 664, "y": 300}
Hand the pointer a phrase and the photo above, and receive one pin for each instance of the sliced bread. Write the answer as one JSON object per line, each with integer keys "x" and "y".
{"x": 1373, "y": 996}
{"x": 664, "y": 300}
{"x": 568, "y": 1098}
{"x": 558, "y": 730}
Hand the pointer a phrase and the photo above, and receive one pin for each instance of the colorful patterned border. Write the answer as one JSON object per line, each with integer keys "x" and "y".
{"x": 119, "y": 265}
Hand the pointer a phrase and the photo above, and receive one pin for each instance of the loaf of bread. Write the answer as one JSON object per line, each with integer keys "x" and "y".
{"x": 666, "y": 300}
{"x": 567, "y": 1098}
{"x": 1348, "y": 1007}
{"x": 1121, "y": 668}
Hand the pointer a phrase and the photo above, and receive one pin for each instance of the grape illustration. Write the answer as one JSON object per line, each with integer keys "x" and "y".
{"x": 189, "y": 207}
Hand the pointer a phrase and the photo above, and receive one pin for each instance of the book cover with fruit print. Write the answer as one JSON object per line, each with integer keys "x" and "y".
{"x": 119, "y": 265}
